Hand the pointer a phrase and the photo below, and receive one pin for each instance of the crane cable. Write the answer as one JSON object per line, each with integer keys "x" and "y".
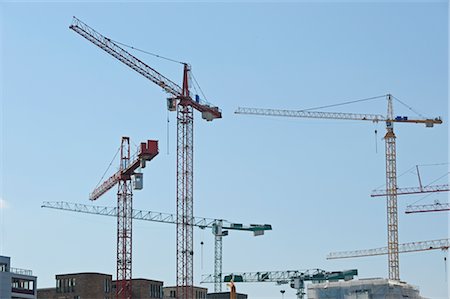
{"x": 409, "y": 107}
{"x": 411, "y": 171}
{"x": 146, "y": 52}
{"x": 161, "y": 57}
{"x": 195, "y": 81}
{"x": 346, "y": 103}
{"x": 109, "y": 166}
{"x": 165, "y": 58}
{"x": 422, "y": 198}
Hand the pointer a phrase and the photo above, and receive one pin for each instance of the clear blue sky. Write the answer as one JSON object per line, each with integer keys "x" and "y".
{"x": 66, "y": 104}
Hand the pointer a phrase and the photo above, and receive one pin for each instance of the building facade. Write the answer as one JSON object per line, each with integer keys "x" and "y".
{"x": 145, "y": 288}
{"x": 225, "y": 295}
{"x": 78, "y": 286}
{"x": 376, "y": 288}
{"x": 97, "y": 286}
{"x": 16, "y": 283}
{"x": 171, "y": 292}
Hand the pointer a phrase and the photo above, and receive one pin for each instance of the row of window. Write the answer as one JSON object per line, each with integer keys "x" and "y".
{"x": 65, "y": 285}
{"x": 198, "y": 294}
{"x": 22, "y": 284}
{"x": 155, "y": 291}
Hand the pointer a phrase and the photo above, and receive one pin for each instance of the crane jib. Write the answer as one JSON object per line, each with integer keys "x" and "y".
{"x": 208, "y": 112}
{"x": 124, "y": 56}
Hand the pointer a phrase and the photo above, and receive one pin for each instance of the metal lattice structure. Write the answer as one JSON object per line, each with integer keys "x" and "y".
{"x": 185, "y": 200}
{"x": 124, "y": 210}
{"x": 391, "y": 199}
{"x": 184, "y": 105}
{"x": 413, "y": 190}
{"x": 435, "y": 207}
{"x": 296, "y": 278}
{"x": 219, "y": 227}
{"x": 218, "y": 234}
{"x": 442, "y": 244}
{"x": 390, "y": 151}
{"x": 124, "y": 226}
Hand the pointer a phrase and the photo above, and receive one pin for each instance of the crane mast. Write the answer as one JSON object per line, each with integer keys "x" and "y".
{"x": 391, "y": 190}
{"x": 184, "y": 104}
{"x": 390, "y": 162}
{"x": 124, "y": 227}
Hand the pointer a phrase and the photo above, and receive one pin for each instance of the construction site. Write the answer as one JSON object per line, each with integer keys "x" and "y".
{"x": 318, "y": 168}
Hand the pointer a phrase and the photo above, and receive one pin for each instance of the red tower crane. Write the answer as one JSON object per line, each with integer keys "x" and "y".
{"x": 182, "y": 102}
{"x": 123, "y": 177}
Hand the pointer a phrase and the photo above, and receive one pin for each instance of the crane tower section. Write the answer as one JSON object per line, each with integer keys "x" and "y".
{"x": 123, "y": 178}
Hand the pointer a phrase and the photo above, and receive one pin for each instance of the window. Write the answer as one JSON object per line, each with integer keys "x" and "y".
{"x": 23, "y": 286}
{"x": 2, "y": 267}
{"x": 173, "y": 294}
{"x": 71, "y": 285}
{"x": 359, "y": 294}
{"x": 106, "y": 285}
{"x": 156, "y": 292}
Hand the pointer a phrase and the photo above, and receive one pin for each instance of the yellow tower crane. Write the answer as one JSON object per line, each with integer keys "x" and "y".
{"x": 391, "y": 164}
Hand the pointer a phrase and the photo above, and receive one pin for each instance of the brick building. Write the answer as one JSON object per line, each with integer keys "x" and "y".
{"x": 97, "y": 286}
{"x": 225, "y": 295}
{"x": 171, "y": 292}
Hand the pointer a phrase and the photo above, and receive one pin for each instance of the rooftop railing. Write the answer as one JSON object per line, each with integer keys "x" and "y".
{"x": 21, "y": 271}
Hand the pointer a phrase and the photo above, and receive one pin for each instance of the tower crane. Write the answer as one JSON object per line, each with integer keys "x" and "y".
{"x": 296, "y": 278}
{"x": 442, "y": 244}
{"x": 219, "y": 227}
{"x": 182, "y": 102}
{"x": 391, "y": 164}
{"x": 123, "y": 177}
